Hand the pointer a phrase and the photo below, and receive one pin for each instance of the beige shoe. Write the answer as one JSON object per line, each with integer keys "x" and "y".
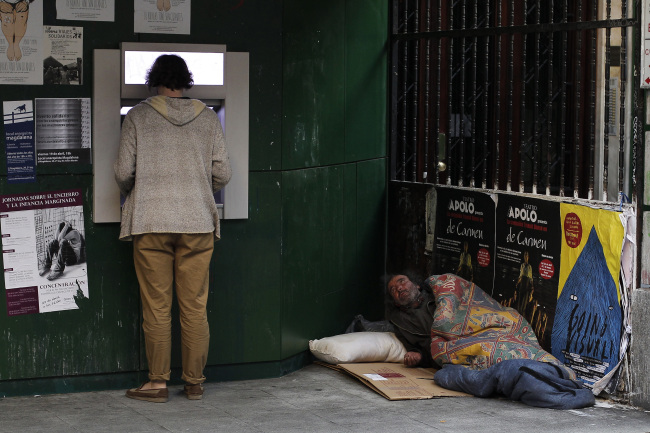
{"x": 193, "y": 392}
{"x": 151, "y": 395}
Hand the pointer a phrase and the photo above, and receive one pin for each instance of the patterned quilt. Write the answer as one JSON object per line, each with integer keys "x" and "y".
{"x": 472, "y": 329}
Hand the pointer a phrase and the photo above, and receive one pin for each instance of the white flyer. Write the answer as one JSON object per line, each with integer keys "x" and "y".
{"x": 21, "y": 42}
{"x": 44, "y": 251}
{"x": 85, "y": 10}
{"x": 162, "y": 16}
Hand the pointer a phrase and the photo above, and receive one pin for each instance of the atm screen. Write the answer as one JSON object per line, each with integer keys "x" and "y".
{"x": 205, "y": 61}
{"x": 207, "y": 68}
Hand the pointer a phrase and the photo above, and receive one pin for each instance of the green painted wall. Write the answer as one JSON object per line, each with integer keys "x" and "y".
{"x": 334, "y": 166}
{"x": 312, "y": 251}
{"x": 333, "y": 249}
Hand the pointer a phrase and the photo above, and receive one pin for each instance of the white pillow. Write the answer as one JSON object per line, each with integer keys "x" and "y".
{"x": 358, "y": 347}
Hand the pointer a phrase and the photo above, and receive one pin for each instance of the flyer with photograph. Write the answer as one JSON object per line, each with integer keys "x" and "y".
{"x": 18, "y": 120}
{"x": 464, "y": 236}
{"x": 21, "y": 42}
{"x": 63, "y": 52}
{"x": 63, "y": 130}
{"x": 162, "y": 16}
{"x": 44, "y": 251}
{"x": 528, "y": 260}
{"x": 86, "y": 10}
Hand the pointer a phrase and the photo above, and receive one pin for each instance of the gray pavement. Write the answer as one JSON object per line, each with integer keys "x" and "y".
{"x": 313, "y": 399}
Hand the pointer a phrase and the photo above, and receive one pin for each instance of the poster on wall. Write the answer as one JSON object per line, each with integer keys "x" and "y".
{"x": 464, "y": 236}
{"x": 528, "y": 260}
{"x": 18, "y": 120}
{"x": 62, "y": 130}
{"x": 43, "y": 252}
{"x": 162, "y": 16}
{"x": 86, "y": 10}
{"x": 21, "y": 42}
{"x": 63, "y": 52}
{"x": 588, "y": 321}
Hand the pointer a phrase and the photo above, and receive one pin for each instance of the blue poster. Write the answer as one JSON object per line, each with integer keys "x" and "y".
{"x": 588, "y": 321}
{"x": 18, "y": 121}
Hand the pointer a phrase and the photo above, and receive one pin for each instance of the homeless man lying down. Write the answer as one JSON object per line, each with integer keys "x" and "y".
{"x": 483, "y": 347}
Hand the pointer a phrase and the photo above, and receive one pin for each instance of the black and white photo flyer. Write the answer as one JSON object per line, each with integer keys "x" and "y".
{"x": 43, "y": 251}
{"x": 63, "y": 130}
{"x": 63, "y": 51}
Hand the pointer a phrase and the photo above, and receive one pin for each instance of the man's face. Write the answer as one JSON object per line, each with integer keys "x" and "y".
{"x": 403, "y": 290}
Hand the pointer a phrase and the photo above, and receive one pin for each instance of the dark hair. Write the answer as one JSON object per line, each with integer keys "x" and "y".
{"x": 414, "y": 276}
{"x": 169, "y": 70}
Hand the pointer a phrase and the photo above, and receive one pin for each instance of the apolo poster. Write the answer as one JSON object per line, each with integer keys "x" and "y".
{"x": 528, "y": 260}
{"x": 464, "y": 235}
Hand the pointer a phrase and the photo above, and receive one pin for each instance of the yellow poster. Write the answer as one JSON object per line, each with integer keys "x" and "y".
{"x": 588, "y": 322}
{"x": 577, "y": 224}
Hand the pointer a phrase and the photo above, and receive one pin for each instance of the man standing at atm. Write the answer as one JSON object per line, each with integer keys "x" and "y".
{"x": 172, "y": 159}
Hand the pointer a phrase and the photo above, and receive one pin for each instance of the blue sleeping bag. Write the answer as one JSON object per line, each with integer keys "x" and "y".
{"x": 534, "y": 383}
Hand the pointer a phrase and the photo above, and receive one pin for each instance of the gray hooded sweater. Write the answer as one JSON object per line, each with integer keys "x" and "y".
{"x": 172, "y": 159}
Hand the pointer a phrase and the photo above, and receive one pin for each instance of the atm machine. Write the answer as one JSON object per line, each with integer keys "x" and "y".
{"x": 220, "y": 81}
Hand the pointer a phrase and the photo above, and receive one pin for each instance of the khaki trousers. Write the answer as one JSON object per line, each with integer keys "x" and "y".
{"x": 160, "y": 260}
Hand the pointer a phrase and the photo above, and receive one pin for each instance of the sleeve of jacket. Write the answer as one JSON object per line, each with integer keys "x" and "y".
{"x": 124, "y": 166}
{"x": 408, "y": 344}
{"x": 221, "y": 171}
{"x": 416, "y": 343}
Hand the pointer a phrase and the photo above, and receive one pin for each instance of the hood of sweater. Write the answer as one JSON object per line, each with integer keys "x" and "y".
{"x": 178, "y": 111}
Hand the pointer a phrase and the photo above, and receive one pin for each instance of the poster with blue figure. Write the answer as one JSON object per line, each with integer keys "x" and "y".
{"x": 588, "y": 321}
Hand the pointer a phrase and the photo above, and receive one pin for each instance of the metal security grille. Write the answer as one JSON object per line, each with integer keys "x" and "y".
{"x": 532, "y": 96}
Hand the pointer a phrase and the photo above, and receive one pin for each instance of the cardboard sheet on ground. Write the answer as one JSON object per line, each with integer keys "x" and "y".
{"x": 398, "y": 382}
